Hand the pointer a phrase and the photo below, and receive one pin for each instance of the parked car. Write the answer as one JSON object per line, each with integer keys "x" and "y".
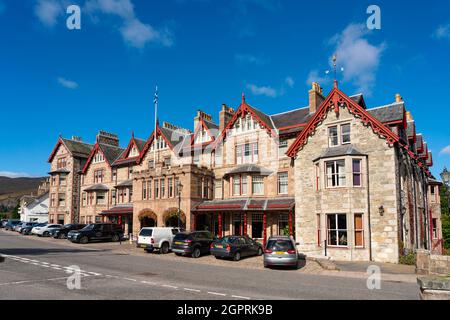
{"x": 3, "y": 223}
{"x": 235, "y": 247}
{"x": 18, "y": 226}
{"x": 11, "y": 223}
{"x": 96, "y": 231}
{"x": 159, "y": 238}
{"x": 192, "y": 243}
{"x": 27, "y": 229}
{"x": 45, "y": 230}
{"x": 62, "y": 233}
{"x": 280, "y": 251}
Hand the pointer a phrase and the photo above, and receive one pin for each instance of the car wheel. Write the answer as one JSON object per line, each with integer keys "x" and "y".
{"x": 115, "y": 238}
{"x": 237, "y": 256}
{"x": 84, "y": 240}
{"x": 46, "y": 234}
{"x": 149, "y": 250}
{"x": 178, "y": 254}
{"x": 218, "y": 258}
{"x": 196, "y": 253}
{"x": 164, "y": 248}
{"x": 60, "y": 236}
{"x": 260, "y": 252}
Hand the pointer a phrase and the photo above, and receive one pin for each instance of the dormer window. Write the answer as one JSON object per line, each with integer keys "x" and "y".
{"x": 98, "y": 158}
{"x": 160, "y": 144}
{"x": 133, "y": 152}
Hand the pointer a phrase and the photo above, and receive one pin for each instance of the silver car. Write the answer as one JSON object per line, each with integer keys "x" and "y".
{"x": 281, "y": 251}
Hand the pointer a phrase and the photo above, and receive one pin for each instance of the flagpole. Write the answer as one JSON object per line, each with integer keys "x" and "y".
{"x": 156, "y": 123}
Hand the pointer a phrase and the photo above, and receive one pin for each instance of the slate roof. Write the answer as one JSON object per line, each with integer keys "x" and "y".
{"x": 359, "y": 99}
{"x": 343, "y": 150}
{"x": 140, "y": 143}
{"x": 251, "y": 168}
{"x": 97, "y": 187}
{"x": 389, "y": 113}
{"x": 111, "y": 152}
{"x": 175, "y": 137}
{"x": 126, "y": 183}
{"x": 211, "y": 125}
{"x": 291, "y": 118}
{"x": 264, "y": 117}
{"x": 419, "y": 142}
{"x": 59, "y": 171}
{"x": 77, "y": 148}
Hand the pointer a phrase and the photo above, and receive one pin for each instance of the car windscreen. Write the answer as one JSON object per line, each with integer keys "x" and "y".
{"x": 89, "y": 227}
{"x": 183, "y": 236}
{"x": 227, "y": 240}
{"x": 146, "y": 232}
{"x": 280, "y": 245}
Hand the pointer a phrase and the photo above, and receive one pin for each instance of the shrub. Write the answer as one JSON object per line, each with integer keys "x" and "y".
{"x": 408, "y": 259}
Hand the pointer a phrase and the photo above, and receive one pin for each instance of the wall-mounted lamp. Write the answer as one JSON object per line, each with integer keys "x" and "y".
{"x": 381, "y": 210}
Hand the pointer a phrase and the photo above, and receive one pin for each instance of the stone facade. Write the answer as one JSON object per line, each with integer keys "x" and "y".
{"x": 357, "y": 188}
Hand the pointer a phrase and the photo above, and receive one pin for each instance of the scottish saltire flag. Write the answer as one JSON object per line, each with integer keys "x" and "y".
{"x": 155, "y": 100}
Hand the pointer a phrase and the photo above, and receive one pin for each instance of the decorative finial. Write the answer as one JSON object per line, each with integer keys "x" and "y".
{"x": 132, "y": 134}
{"x": 334, "y": 68}
{"x": 243, "y": 97}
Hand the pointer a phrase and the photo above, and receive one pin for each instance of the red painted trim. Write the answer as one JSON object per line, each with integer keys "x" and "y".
{"x": 55, "y": 149}
{"x": 245, "y": 224}
{"x": 291, "y": 232}
{"x": 293, "y": 126}
{"x": 389, "y": 123}
{"x": 201, "y": 124}
{"x": 94, "y": 150}
{"x": 264, "y": 229}
{"x": 334, "y": 100}
{"x": 149, "y": 141}
{"x": 231, "y": 206}
{"x": 220, "y": 225}
{"x": 240, "y": 112}
{"x": 274, "y": 206}
{"x": 254, "y": 206}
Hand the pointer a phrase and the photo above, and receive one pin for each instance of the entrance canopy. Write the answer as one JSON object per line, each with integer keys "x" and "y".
{"x": 119, "y": 209}
{"x": 246, "y": 204}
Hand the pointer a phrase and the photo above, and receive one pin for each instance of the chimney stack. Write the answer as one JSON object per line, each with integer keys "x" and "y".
{"x": 224, "y": 116}
{"x": 398, "y": 98}
{"x": 77, "y": 138}
{"x": 108, "y": 138}
{"x": 315, "y": 97}
{"x": 202, "y": 114}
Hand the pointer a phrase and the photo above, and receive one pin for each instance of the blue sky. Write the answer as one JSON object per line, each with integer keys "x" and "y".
{"x": 203, "y": 53}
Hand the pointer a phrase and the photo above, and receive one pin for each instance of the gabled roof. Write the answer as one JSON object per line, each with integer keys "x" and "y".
{"x": 210, "y": 127}
{"x": 263, "y": 119}
{"x": 175, "y": 140}
{"x": 111, "y": 153}
{"x": 335, "y": 100}
{"x": 77, "y": 149}
{"x": 123, "y": 158}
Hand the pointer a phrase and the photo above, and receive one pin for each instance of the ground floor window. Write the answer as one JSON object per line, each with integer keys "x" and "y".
{"x": 60, "y": 219}
{"x": 283, "y": 224}
{"x": 51, "y": 219}
{"x": 337, "y": 229}
{"x": 359, "y": 230}
{"x": 257, "y": 225}
{"x": 98, "y": 219}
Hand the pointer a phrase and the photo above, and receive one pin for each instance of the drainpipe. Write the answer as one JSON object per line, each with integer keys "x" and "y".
{"x": 368, "y": 208}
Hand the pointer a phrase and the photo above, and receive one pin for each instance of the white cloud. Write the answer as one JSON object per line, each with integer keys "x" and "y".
{"x": 442, "y": 32}
{"x": 359, "y": 58}
{"x": 314, "y": 76}
{"x": 445, "y": 150}
{"x": 250, "y": 59}
{"x": 264, "y": 90}
{"x": 290, "y": 82}
{"x": 67, "y": 83}
{"x": 134, "y": 32}
{"x": 11, "y": 174}
{"x": 48, "y": 12}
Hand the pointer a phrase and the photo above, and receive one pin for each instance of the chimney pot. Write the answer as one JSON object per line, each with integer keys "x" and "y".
{"x": 398, "y": 98}
{"x": 315, "y": 97}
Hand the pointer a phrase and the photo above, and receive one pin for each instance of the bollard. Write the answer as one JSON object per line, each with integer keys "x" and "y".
{"x": 130, "y": 237}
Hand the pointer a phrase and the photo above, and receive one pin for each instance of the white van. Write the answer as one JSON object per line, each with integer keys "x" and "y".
{"x": 160, "y": 238}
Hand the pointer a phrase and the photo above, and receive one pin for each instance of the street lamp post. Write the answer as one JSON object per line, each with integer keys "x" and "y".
{"x": 179, "y": 189}
{"x": 445, "y": 175}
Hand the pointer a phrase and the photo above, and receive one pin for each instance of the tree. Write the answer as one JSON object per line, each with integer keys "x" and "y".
{"x": 15, "y": 213}
{"x": 445, "y": 218}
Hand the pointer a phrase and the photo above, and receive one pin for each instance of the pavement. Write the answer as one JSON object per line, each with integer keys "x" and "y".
{"x": 39, "y": 268}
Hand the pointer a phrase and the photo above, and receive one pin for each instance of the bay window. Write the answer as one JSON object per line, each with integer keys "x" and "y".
{"x": 257, "y": 185}
{"x": 356, "y": 168}
{"x": 247, "y": 153}
{"x": 335, "y": 171}
{"x": 101, "y": 198}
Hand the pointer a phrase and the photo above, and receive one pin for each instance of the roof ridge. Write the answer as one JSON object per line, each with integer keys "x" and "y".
{"x": 387, "y": 105}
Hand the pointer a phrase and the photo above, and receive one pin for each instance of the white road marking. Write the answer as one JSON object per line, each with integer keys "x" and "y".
{"x": 56, "y": 265}
{"x": 189, "y": 289}
{"x": 30, "y": 281}
{"x": 169, "y": 286}
{"x": 241, "y": 297}
{"x": 56, "y": 268}
{"x": 129, "y": 279}
{"x": 216, "y": 293}
{"x": 146, "y": 282}
{"x": 94, "y": 273}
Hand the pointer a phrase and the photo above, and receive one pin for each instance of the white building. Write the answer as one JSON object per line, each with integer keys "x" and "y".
{"x": 34, "y": 210}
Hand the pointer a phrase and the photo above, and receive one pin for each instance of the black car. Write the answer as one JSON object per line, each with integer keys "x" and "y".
{"x": 11, "y": 223}
{"x": 96, "y": 231}
{"x": 62, "y": 233}
{"x": 192, "y": 243}
{"x": 235, "y": 247}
